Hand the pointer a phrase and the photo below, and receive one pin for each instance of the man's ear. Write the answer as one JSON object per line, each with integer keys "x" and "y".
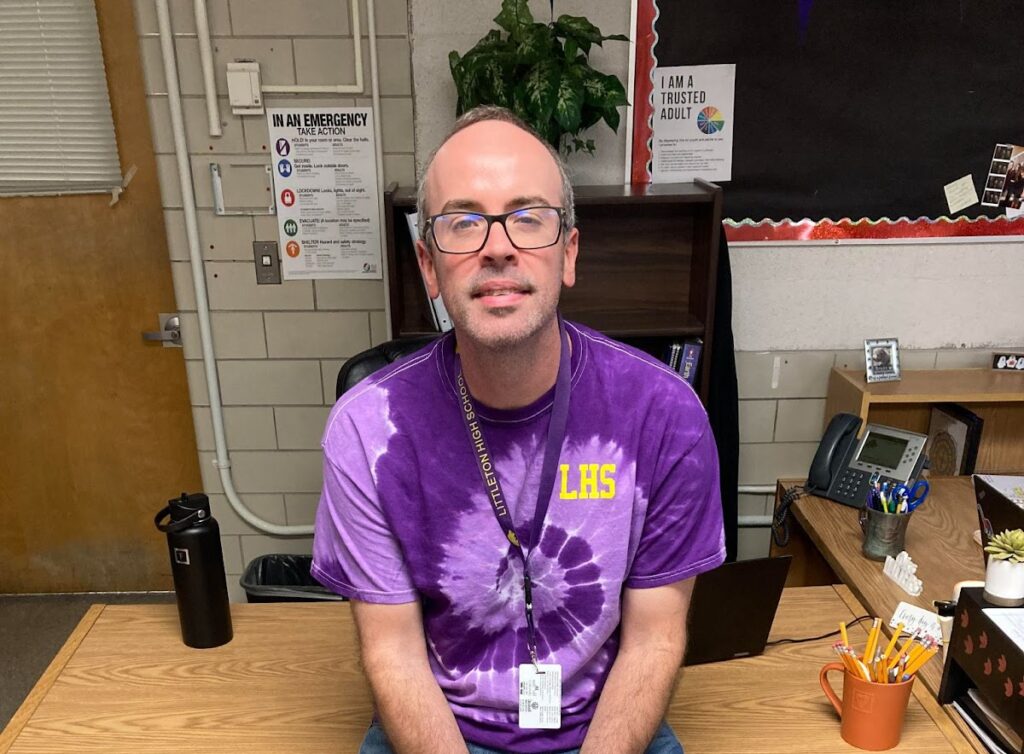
{"x": 425, "y": 259}
{"x": 572, "y": 248}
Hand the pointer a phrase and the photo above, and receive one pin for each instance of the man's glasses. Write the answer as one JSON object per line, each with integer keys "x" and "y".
{"x": 467, "y": 232}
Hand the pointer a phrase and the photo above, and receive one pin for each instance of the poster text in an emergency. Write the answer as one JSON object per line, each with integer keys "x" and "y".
{"x": 325, "y": 185}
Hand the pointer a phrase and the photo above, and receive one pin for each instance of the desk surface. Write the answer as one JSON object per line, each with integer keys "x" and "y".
{"x": 289, "y": 681}
{"x": 939, "y": 539}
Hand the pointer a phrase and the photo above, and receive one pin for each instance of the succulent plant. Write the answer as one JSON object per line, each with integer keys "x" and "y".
{"x": 1007, "y": 545}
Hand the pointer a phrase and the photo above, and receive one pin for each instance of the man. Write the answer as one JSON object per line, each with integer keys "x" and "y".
{"x": 487, "y": 623}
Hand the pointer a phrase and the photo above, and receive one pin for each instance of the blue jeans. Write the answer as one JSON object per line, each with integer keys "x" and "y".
{"x": 665, "y": 742}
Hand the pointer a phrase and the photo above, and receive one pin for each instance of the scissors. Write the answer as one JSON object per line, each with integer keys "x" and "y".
{"x": 915, "y": 495}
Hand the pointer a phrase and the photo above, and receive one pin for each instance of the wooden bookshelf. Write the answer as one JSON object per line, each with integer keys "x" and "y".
{"x": 997, "y": 397}
{"x": 646, "y": 273}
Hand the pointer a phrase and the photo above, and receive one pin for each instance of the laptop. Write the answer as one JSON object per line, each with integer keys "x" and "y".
{"x": 998, "y": 506}
{"x": 732, "y": 609}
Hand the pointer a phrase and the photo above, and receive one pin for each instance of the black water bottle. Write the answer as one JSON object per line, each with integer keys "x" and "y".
{"x": 197, "y": 562}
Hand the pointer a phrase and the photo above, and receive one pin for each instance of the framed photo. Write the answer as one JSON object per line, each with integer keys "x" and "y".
{"x": 882, "y": 359}
{"x": 954, "y": 434}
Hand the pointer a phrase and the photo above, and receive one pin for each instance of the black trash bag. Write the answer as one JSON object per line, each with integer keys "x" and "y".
{"x": 284, "y": 578}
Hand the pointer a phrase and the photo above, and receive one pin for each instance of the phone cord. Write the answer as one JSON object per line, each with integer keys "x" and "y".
{"x": 780, "y": 522}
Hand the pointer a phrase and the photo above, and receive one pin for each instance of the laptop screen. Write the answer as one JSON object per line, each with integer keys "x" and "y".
{"x": 732, "y": 609}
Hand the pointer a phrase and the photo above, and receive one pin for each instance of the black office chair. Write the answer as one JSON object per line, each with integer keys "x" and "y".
{"x": 364, "y": 364}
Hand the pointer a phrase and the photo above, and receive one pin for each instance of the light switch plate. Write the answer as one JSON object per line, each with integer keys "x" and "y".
{"x": 268, "y": 263}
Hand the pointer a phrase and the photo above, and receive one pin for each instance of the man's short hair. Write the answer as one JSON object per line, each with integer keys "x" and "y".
{"x": 493, "y": 112}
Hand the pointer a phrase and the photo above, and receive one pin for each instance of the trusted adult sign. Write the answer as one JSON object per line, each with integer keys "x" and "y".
{"x": 326, "y": 191}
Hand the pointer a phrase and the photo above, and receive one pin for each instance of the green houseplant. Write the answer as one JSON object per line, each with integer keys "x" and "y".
{"x": 1004, "y": 574}
{"x": 542, "y": 73}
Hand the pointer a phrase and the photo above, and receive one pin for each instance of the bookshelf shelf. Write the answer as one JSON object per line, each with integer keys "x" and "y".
{"x": 646, "y": 273}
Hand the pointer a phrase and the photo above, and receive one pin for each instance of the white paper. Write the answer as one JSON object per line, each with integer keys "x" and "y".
{"x": 961, "y": 194}
{"x": 917, "y": 621}
{"x": 1012, "y": 487}
{"x": 325, "y": 187}
{"x": 1010, "y": 621}
{"x": 540, "y": 696}
{"x": 693, "y": 122}
{"x": 438, "y": 312}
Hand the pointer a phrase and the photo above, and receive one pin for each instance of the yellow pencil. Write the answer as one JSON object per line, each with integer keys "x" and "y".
{"x": 921, "y": 660}
{"x": 842, "y": 632}
{"x": 915, "y": 654}
{"x": 869, "y": 650}
{"x": 903, "y": 650}
{"x": 892, "y": 642}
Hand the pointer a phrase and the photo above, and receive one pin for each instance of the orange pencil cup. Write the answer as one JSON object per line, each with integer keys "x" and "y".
{"x": 871, "y": 713}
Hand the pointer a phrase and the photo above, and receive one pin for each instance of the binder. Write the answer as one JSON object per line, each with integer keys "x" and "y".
{"x": 438, "y": 312}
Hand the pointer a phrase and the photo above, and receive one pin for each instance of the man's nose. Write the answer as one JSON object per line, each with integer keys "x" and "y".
{"x": 498, "y": 248}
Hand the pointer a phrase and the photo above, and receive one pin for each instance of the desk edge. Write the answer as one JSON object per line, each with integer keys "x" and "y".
{"x": 42, "y": 687}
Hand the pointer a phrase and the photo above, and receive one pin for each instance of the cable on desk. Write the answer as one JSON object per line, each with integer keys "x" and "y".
{"x": 853, "y": 622}
{"x": 780, "y": 524}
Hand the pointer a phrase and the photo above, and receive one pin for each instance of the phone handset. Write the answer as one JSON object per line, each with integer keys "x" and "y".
{"x": 832, "y": 453}
{"x": 830, "y": 458}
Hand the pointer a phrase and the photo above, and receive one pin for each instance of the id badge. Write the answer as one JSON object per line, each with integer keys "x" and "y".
{"x": 540, "y": 696}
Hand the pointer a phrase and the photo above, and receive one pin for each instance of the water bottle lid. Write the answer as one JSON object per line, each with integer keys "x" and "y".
{"x": 185, "y": 511}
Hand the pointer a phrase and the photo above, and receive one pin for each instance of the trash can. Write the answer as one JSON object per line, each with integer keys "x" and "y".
{"x": 284, "y": 578}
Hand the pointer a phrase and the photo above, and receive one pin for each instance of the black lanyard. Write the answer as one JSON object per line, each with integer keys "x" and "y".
{"x": 552, "y": 450}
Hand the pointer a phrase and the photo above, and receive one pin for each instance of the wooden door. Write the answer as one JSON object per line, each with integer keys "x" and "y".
{"x": 95, "y": 426}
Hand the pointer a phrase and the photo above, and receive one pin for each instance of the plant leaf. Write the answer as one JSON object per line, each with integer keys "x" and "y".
{"x": 571, "y": 48}
{"x": 514, "y": 16}
{"x": 494, "y": 78}
{"x": 611, "y": 117}
{"x": 579, "y": 29}
{"x": 535, "y": 44}
{"x": 618, "y": 37}
{"x": 569, "y": 103}
{"x": 542, "y": 89}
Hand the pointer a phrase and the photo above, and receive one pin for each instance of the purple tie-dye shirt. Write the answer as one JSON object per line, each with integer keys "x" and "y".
{"x": 404, "y": 516}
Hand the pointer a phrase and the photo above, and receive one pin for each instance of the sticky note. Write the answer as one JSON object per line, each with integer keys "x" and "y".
{"x": 961, "y": 194}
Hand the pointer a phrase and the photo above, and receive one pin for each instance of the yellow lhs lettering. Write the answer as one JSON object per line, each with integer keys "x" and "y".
{"x": 565, "y": 494}
{"x": 608, "y": 480}
{"x": 596, "y": 481}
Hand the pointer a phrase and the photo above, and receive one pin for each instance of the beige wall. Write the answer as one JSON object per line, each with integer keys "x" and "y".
{"x": 278, "y": 347}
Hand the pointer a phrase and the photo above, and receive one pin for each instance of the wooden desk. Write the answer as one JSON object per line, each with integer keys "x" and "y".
{"x": 939, "y": 539}
{"x": 289, "y": 681}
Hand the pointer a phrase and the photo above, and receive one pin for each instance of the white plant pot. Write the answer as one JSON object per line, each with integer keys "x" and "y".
{"x": 1004, "y": 583}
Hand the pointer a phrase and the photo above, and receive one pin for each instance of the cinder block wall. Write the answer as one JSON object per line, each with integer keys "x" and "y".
{"x": 278, "y": 347}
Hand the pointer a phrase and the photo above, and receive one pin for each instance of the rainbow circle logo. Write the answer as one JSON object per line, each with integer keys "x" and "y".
{"x": 710, "y": 120}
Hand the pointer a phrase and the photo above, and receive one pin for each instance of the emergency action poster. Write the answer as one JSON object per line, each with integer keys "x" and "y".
{"x": 325, "y": 186}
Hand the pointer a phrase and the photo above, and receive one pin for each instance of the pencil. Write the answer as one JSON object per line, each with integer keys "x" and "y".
{"x": 913, "y": 667}
{"x": 842, "y": 632}
{"x": 869, "y": 650}
{"x": 903, "y": 650}
{"x": 892, "y": 642}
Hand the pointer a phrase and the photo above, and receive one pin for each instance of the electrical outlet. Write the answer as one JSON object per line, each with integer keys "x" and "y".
{"x": 268, "y": 263}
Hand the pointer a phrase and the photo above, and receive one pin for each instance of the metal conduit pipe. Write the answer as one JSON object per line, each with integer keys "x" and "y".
{"x": 222, "y": 460}
{"x": 206, "y": 62}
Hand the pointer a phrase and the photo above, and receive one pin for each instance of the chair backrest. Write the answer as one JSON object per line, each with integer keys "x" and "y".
{"x": 362, "y": 365}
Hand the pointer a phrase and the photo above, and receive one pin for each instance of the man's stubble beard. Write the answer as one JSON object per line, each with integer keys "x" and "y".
{"x": 490, "y": 329}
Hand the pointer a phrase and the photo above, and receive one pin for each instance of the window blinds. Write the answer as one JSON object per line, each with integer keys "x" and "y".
{"x": 56, "y": 128}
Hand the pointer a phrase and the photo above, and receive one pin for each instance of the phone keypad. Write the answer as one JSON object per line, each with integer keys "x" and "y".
{"x": 850, "y": 483}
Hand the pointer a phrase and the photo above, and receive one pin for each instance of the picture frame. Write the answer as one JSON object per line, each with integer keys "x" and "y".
{"x": 882, "y": 359}
{"x": 954, "y": 435}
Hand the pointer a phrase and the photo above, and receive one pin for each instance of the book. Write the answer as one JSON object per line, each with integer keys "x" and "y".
{"x": 954, "y": 434}
{"x": 438, "y": 312}
{"x": 690, "y": 360}
{"x": 674, "y": 355}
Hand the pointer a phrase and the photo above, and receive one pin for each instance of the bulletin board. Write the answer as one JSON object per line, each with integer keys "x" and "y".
{"x": 850, "y": 117}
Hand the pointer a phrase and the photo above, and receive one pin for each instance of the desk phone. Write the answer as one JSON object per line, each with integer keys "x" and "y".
{"x": 844, "y": 468}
